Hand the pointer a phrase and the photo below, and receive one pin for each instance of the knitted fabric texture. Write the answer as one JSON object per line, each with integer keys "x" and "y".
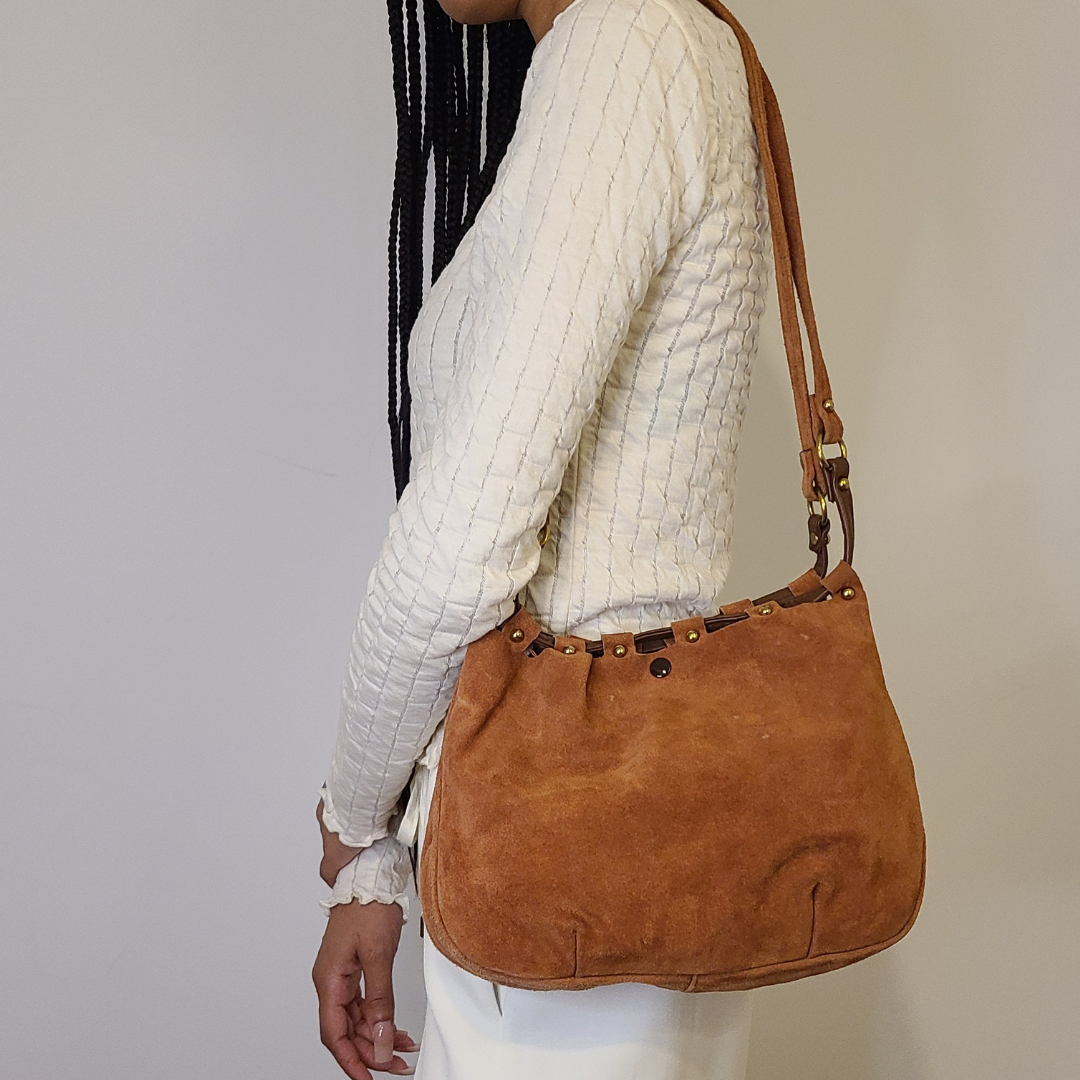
{"x": 585, "y": 358}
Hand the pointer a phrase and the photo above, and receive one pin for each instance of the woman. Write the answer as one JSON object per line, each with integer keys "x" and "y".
{"x": 583, "y": 360}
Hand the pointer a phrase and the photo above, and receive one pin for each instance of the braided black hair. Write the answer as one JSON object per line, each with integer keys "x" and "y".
{"x": 459, "y": 115}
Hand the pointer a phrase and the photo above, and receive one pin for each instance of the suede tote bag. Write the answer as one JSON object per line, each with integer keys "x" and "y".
{"x": 719, "y": 804}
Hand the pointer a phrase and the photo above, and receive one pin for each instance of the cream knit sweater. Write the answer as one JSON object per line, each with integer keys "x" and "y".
{"x": 584, "y": 358}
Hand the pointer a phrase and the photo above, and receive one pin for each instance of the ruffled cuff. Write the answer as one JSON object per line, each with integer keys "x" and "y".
{"x": 380, "y": 872}
{"x": 336, "y": 825}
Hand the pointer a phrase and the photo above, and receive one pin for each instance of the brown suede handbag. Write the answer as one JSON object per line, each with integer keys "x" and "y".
{"x": 719, "y": 804}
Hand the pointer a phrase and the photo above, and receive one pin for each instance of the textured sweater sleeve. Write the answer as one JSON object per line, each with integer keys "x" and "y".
{"x": 606, "y": 171}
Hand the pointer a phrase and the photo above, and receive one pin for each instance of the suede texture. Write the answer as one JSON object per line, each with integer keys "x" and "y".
{"x": 750, "y": 818}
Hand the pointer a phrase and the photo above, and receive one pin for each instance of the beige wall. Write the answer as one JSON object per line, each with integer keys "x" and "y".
{"x": 937, "y": 146}
{"x": 194, "y": 479}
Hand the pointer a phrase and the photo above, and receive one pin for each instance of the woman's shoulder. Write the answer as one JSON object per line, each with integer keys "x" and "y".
{"x": 633, "y": 87}
{"x": 679, "y": 42}
{"x": 609, "y": 27}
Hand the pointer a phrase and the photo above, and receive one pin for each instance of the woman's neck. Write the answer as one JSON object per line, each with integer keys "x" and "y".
{"x": 540, "y": 14}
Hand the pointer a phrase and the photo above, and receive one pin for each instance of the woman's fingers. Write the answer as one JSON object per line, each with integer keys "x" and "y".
{"x": 360, "y": 940}
{"x": 378, "y": 1000}
{"x": 404, "y": 1041}
{"x": 365, "y": 1048}
{"x": 336, "y": 975}
{"x": 335, "y": 1027}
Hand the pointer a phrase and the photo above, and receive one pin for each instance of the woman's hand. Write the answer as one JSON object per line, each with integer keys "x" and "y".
{"x": 357, "y": 1025}
{"x": 336, "y": 855}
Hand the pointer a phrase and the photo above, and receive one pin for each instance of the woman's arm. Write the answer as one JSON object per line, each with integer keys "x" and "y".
{"x": 609, "y": 167}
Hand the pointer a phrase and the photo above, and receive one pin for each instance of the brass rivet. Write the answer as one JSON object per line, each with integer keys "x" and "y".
{"x": 842, "y": 482}
{"x": 765, "y": 610}
{"x": 828, "y": 405}
{"x": 569, "y": 650}
{"x": 518, "y": 635}
{"x": 847, "y": 592}
{"x": 619, "y": 650}
{"x": 813, "y": 539}
{"x": 692, "y": 635}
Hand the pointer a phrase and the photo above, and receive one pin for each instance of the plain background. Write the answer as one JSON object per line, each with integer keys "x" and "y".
{"x": 195, "y": 480}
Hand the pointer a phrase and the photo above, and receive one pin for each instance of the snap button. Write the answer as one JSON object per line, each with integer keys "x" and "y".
{"x": 660, "y": 667}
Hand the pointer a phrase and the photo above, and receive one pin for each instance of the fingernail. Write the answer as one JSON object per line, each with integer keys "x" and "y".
{"x": 384, "y": 1041}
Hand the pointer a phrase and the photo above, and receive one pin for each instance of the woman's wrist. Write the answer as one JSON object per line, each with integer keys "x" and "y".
{"x": 336, "y": 855}
{"x": 379, "y": 872}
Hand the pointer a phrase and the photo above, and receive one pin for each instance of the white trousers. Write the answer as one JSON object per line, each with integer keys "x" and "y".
{"x": 478, "y": 1030}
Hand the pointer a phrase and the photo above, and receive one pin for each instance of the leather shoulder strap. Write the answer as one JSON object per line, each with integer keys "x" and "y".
{"x": 818, "y": 421}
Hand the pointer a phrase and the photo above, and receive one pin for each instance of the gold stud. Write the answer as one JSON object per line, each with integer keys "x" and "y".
{"x": 847, "y": 592}
{"x": 692, "y": 635}
{"x": 619, "y": 650}
{"x": 569, "y": 650}
{"x": 842, "y": 482}
{"x": 828, "y": 405}
{"x": 766, "y": 610}
{"x": 518, "y": 635}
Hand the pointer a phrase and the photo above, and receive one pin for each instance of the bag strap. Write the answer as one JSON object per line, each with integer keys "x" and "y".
{"x": 824, "y": 479}
{"x": 819, "y": 424}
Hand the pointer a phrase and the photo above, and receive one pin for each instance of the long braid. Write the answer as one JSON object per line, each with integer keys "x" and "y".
{"x": 474, "y": 111}
{"x": 457, "y": 100}
{"x": 396, "y": 329}
{"x": 436, "y": 112}
{"x": 458, "y": 169}
{"x": 509, "y": 51}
